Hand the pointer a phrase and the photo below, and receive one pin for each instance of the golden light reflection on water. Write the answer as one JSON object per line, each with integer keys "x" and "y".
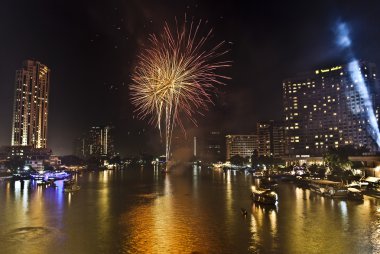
{"x": 263, "y": 227}
{"x": 149, "y": 212}
{"x": 168, "y": 225}
{"x": 228, "y": 193}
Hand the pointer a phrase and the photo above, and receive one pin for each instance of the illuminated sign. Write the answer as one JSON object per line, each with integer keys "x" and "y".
{"x": 328, "y": 70}
{"x": 336, "y": 68}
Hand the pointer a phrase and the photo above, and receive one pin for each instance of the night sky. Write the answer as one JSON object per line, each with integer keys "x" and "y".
{"x": 91, "y": 48}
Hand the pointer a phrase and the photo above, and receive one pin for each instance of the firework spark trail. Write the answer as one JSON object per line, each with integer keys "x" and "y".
{"x": 176, "y": 76}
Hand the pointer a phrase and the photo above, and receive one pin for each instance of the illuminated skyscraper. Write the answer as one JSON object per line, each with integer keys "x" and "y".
{"x": 324, "y": 109}
{"x": 30, "y": 111}
{"x": 271, "y": 138}
{"x": 98, "y": 141}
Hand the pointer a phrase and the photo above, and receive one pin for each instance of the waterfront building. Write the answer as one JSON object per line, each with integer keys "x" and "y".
{"x": 26, "y": 152}
{"x": 98, "y": 141}
{"x": 30, "y": 110}
{"x": 242, "y": 145}
{"x": 324, "y": 109}
{"x": 271, "y": 138}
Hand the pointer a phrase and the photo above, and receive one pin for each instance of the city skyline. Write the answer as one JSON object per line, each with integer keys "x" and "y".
{"x": 92, "y": 51}
{"x": 231, "y": 126}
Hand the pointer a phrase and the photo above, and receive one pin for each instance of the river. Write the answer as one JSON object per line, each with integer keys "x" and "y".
{"x": 189, "y": 210}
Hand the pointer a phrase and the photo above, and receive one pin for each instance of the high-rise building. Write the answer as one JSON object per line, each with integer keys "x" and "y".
{"x": 264, "y": 139}
{"x": 214, "y": 146}
{"x": 242, "y": 145}
{"x": 30, "y": 111}
{"x": 98, "y": 141}
{"x": 324, "y": 109}
{"x": 271, "y": 138}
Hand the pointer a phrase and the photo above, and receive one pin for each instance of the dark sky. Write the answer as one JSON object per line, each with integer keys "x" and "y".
{"x": 91, "y": 46}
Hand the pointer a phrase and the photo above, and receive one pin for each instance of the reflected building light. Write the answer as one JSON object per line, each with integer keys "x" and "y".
{"x": 343, "y": 208}
{"x": 273, "y": 222}
{"x": 25, "y": 195}
{"x": 69, "y": 198}
{"x": 255, "y": 238}
{"x": 17, "y": 189}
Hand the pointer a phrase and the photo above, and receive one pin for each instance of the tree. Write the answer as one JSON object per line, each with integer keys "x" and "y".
{"x": 237, "y": 160}
{"x": 15, "y": 163}
{"x": 268, "y": 161}
{"x": 317, "y": 170}
{"x": 70, "y": 160}
{"x": 254, "y": 159}
{"x": 337, "y": 159}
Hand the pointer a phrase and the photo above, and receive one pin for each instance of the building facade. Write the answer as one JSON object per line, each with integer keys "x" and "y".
{"x": 98, "y": 141}
{"x": 242, "y": 145}
{"x": 214, "y": 146}
{"x": 325, "y": 109}
{"x": 30, "y": 110}
{"x": 271, "y": 138}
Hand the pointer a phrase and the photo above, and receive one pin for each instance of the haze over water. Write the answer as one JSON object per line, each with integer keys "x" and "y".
{"x": 190, "y": 210}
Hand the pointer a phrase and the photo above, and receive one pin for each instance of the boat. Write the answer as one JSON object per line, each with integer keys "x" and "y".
{"x": 258, "y": 174}
{"x": 267, "y": 183}
{"x": 354, "y": 194}
{"x": 58, "y": 175}
{"x": 373, "y": 186}
{"x": 37, "y": 176}
{"x": 42, "y": 183}
{"x": 302, "y": 182}
{"x": 72, "y": 188}
{"x": 264, "y": 196}
{"x": 328, "y": 188}
{"x": 337, "y": 192}
{"x": 20, "y": 176}
{"x": 67, "y": 183}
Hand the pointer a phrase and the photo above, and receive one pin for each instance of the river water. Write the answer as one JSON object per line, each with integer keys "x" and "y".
{"x": 190, "y": 210}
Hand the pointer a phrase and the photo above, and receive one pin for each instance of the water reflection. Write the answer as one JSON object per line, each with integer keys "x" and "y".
{"x": 263, "y": 227}
{"x": 187, "y": 211}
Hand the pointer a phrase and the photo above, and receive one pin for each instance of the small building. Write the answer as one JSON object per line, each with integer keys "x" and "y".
{"x": 36, "y": 164}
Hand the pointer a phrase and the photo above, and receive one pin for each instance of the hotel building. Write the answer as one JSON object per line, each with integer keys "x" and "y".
{"x": 242, "y": 145}
{"x": 324, "y": 109}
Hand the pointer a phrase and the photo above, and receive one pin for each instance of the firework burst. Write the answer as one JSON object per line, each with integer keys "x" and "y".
{"x": 175, "y": 77}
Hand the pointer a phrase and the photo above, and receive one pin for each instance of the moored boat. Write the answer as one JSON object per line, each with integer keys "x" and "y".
{"x": 354, "y": 194}
{"x": 42, "y": 183}
{"x": 264, "y": 196}
{"x": 373, "y": 186}
{"x": 72, "y": 188}
{"x": 267, "y": 183}
{"x": 337, "y": 192}
{"x": 328, "y": 188}
{"x": 302, "y": 182}
{"x": 58, "y": 175}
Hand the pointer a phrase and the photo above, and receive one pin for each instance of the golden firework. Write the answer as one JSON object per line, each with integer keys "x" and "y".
{"x": 175, "y": 76}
